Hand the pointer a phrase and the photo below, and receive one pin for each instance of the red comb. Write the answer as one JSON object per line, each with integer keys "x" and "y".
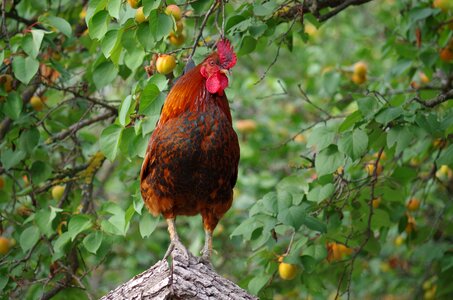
{"x": 226, "y": 54}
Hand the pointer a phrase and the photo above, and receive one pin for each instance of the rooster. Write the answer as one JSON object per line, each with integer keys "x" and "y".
{"x": 191, "y": 163}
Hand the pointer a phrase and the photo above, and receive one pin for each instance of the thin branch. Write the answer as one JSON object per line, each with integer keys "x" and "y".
{"x": 339, "y": 8}
{"x": 309, "y": 101}
{"x": 443, "y": 97}
{"x": 79, "y": 125}
{"x": 203, "y": 24}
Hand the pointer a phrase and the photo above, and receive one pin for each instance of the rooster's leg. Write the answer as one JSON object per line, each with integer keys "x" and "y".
{"x": 175, "y": 243}
{"x": 207, "y": 249}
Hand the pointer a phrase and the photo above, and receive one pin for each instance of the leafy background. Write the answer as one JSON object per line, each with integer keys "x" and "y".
{"x": 317, "y": 147}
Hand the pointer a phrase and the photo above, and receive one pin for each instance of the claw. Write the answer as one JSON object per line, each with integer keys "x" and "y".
{"x": 175, "y": 243}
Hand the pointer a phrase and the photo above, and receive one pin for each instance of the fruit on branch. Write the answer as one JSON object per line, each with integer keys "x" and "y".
{"x": 140, "y": 16}
{"x": 399, "y": 240}
{"x": 413, "y": 204}
{"x": 376, "y": 202}
{"x": 165, "y": 64}
{"x": 285, "y": 270}
{"x": 6, "y": 82}
{"x": 174, "y": 11}
{"x": 176, "y": 39}
{"x": 446, "y": 54}
{"x": 371, "y": 166}
{"x": 37, "y": 103}
{"x": 246, "y": 126}
{"x": 133, "y": 3}
{"x": 410, "y": 226}
{"x": 4, "y": 245}
{"x": 444, "y": 5}
{"x": 57, "y": 192}
{"x": 423, "y": 78}
{"x": 336, "y": 251}
{"x": 359, "y": 75}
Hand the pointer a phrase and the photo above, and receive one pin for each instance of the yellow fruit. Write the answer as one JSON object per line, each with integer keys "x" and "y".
{"x": 413, "y": 204}
{"x": 83, "y": 13}
{"x": 444, "y": 5}
{"x": 336, "y": 251}
{"x": 340, "y": 170}
{"x": 446, "y": 54}
{"x": 423, "y": 78}
{"x": 133, "y": 3}
{"x": 360, "y": 68}
{"x": 139, "y": 15}
{"x": 36, "y": 103}
{"x": 370, "y": 166}
{"x": 179, "y": 26}
{"x": 376, "y": 202}
{"x": 246, "y": 126}
{"x": 287, "y": 271}
{"x": 300, "y": 138}
{"x": 311, "y": 30}
{"x": 4, "y": 245}
{"x": 439, "y": 143}
{"x": 174, "y": 10}
{"x": 399, "y": 240}
{"x": 165, "y": 64}
{"x": 176, "y": 39}
{"x": 6, "y": 81}
{"x": 357, "y": 79}
{"x": 57, "y": 192}
{"x": 444, "y": 172}
{"x": 410, "y": 226}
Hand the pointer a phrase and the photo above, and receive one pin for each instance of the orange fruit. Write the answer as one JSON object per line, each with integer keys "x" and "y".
{"x": 165, "y": 64}
{"x": 413, "y": 204}
{"x": 174, "y": 11}
{"x": 139, "y": 15}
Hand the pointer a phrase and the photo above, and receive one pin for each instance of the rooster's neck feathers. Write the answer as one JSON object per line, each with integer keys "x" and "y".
{"x": 190, "y": 94}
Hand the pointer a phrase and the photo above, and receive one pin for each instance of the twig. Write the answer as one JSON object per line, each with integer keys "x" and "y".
{"x": 443, "y": 97}
{"x": 79, "y": 125}
{"x": 339, "y": 8}
{"x": 309, "y": 101}
{"x": 203, "y": 24}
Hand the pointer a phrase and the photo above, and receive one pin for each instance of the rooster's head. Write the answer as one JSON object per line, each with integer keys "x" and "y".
{"x": 215, "y": 67}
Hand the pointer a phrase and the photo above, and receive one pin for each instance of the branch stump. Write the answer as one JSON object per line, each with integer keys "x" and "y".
{"x": 182, "y": 279}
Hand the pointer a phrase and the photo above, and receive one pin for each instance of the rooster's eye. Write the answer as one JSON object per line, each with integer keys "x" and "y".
{"x": 211, "y": 62}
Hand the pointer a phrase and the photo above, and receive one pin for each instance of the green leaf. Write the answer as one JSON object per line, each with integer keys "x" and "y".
{"x": 321, "y": 137}
{"x": 97, "y": 26}
{"x": 32, "y": 43}
{"x": 104, "y": 74}
{"x": 293, "y": 216}
{"x": 321, "y": 193}
{"x": 401, "y": 136}
{"x": 60, "y": 243}
{"x": 389, "y": 114}
{"x": 40, "y": 171}
{"x": 25, "y": 68}
{"x": 350, "y": 121}
{"x": 109, "y": 41}
{"x": 59, "y": 23}
{"x": 144, "y": 36}
{"x": 42, "y": 221}
{"x": 160, "y": 25}
{"x": 110, "y": 140}
{"x": 29, "y": 139}
{"x": 354, "y": 144}
{"x": 265, "y": 9}
{"x": 114, "y": 8}
{"x": 328, "y": 160}
{"x": 13, "y": 105}
{"x": 28, "y": 238}
{"x": 258, "y": 282}
{"x": 247, "y": 46}
{"x": 93, "y": 241}
{"x": 134, "y": 59}
{"x": 147, "y": 225}
{"x": 77, "y": 224}
{"x": 380, "y": 219}
{"x": 314, "y": 224}
{"x": 446, "y": 157}
{"x": 10, "y": 158}
{"x": 123, "y": 115}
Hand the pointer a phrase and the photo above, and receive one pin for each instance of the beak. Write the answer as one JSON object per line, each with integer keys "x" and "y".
{"x": 224, "y": 71}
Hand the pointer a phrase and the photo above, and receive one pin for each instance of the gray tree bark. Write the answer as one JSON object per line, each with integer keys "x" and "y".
{"x": 182, "y": 279}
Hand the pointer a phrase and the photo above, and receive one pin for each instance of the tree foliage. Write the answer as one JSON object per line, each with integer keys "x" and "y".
{"x": 345, "y": 119}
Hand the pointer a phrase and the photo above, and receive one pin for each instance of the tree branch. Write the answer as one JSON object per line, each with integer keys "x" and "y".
{"x": 182, "y": 280}
{"x": 443, "y": 97}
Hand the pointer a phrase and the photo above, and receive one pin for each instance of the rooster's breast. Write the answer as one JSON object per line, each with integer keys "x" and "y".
{"x": 194, "y": 161}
